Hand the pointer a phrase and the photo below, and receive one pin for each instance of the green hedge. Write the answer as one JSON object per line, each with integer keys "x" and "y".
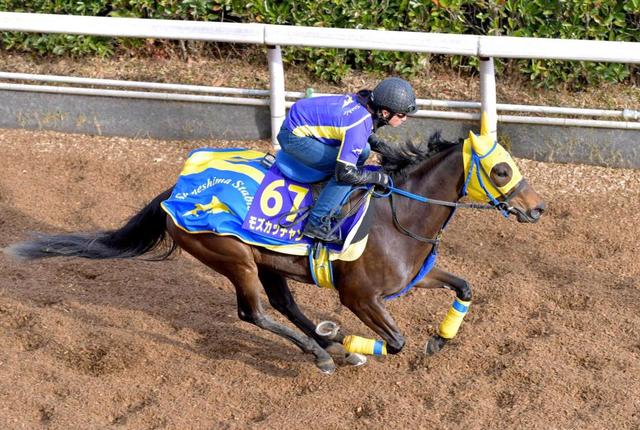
{"x": 585, "y": 19}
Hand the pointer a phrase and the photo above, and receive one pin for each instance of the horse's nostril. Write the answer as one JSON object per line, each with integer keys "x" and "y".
{"x": 537, "y": 212}
{"x": 541, "y": 208}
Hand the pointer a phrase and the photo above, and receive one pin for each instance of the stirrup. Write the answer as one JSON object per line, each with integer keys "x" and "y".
{"x": 317, "y": 233}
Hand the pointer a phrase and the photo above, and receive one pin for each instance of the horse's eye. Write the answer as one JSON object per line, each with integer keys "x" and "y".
{"x": 501, "y": 174}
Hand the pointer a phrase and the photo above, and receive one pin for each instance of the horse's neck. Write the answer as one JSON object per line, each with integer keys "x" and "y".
{"x": 440, "y": 178}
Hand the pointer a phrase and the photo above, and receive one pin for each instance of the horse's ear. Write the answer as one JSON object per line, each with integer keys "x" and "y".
{"x": 474, "y": 141}
{"x": 481, "y": 144}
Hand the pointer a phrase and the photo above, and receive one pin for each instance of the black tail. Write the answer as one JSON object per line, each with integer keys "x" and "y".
{"x": 144, "y": 232}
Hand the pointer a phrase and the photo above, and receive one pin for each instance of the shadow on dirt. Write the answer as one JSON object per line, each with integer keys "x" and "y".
{"x": 180, "y": 295}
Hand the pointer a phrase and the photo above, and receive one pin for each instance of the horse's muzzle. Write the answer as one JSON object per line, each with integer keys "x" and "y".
{"x": 524, "y": 203}
{"x": 530, "y": 216}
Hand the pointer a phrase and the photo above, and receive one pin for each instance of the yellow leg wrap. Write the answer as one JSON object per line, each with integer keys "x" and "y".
{"x": 452, "y": 321}
{"x": 362, "y": 345}
{"x": 322, "y": 268}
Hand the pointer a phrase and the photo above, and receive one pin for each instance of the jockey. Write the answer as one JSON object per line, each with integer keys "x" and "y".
{"x": 334, "y": 134}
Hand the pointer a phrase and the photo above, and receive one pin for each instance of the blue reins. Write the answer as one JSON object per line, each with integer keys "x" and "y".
{"x": 423, "y": 199}
{"x": 475, "y": 165}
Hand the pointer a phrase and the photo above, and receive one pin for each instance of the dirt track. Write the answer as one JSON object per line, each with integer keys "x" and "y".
{"x": 552, "y": 339}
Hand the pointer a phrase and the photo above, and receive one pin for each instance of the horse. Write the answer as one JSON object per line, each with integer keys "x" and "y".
{"x": 402, "y": 236}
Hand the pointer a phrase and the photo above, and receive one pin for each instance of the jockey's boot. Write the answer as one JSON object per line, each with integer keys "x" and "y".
{"x": 321, "y": 232}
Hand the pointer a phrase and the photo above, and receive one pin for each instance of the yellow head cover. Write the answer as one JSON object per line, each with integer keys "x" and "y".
{"x": 480, "y": 154}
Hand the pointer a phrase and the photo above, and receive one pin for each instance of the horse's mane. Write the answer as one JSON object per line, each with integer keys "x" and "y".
{"x": 399, "y": 160}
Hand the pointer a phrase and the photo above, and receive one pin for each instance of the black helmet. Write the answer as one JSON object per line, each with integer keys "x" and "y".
{"x": 395, "y": 95}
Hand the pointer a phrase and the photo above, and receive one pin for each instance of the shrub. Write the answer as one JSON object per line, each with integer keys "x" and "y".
{"x": 586, "y": 19}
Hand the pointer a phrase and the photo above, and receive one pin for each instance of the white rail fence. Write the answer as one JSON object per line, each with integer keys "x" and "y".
{"x": 275, "y": 36}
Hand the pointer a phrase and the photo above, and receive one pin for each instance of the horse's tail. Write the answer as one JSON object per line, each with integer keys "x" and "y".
{"x": 144, "y": 232}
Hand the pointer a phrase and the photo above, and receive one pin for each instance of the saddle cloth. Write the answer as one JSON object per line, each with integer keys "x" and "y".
{"x": 231, "y": 192}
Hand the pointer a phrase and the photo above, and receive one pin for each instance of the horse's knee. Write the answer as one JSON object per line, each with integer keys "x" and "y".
{"x": 376, "y": 318}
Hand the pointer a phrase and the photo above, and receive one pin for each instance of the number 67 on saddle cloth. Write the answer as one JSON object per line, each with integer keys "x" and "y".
{"x": 277, "y": 208}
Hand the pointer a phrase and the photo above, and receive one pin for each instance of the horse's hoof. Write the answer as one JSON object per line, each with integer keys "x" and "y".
{"x": 356, "y": 359}
{"x": 326, "y": 365}
{"x": 435, "y": 344}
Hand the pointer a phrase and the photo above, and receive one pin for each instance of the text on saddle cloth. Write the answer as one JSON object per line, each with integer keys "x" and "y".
{"x": 282, "y": 204}
{"x": 278, "y": 208}
{"x": 231, "y": 192}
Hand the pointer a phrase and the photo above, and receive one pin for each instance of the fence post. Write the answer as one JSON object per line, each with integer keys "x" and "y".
{"x": 277, "y": 105}
{"x": 488, "y": 95}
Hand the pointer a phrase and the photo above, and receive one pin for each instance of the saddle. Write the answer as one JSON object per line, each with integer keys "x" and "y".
{"x": 294, "y": 170}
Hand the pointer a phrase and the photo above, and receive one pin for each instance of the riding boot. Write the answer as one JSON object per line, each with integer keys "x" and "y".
{"x": 321, "y": 232}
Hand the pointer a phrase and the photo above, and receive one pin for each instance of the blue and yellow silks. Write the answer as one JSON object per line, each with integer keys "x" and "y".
{"x": 452, "y": 321}
{"x": 336, "y": 120}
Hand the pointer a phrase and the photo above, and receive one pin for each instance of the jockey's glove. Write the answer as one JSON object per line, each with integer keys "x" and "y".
{"x": 356, "y": 175}
{"x": 382, "y": 182}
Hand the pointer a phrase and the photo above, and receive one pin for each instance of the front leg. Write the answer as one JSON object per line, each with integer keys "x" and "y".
{"x": 372, "y": 312}
{"x": 450, "y": 325}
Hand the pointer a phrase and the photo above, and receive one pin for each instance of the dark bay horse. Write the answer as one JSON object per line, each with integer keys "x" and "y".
{"x": 389, "y": 263}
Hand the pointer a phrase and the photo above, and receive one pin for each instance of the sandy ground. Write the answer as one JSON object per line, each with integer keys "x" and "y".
{"x": 552, "y": 339}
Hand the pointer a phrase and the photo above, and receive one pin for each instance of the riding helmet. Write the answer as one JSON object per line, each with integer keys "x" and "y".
{"x": 395, "y": 95}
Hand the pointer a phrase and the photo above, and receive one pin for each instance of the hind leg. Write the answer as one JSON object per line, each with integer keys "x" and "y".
{"x": 280, "y": 297}
{"x": 234, "y": 260}
{"x": 282, "y": 300}
{"x": 250, "y": 309}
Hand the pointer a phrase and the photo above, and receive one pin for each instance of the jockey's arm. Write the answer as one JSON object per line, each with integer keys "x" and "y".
{"x": 351, "y": 174}
{"x": 347, "y": 169}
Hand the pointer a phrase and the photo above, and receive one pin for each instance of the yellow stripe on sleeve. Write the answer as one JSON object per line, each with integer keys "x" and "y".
{"x": 320, "y": 131}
